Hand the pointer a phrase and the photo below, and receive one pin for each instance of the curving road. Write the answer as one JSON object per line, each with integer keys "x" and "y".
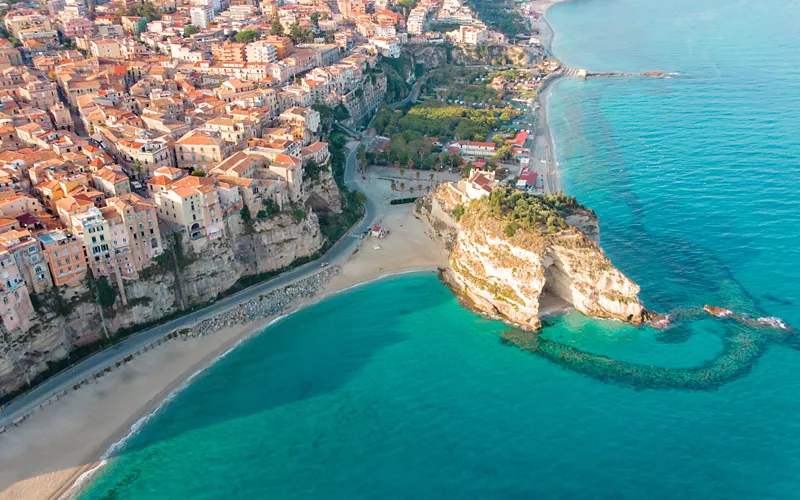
{"x": 100, "y": 360}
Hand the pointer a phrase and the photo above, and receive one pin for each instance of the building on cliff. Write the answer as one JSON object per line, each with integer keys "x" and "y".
{"x": 15, "y": 303}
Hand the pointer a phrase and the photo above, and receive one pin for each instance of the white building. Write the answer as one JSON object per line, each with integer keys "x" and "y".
{"x": 388, "y": 47}
{"x": 202, "y": 16}
{"x": 261, "y": 51}
{"x": 416, "y": 21}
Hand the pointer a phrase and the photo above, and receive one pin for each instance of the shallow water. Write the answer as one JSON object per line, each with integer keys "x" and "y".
{"x": 393, "y": 390}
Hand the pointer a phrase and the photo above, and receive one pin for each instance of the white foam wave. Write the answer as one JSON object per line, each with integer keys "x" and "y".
{"x": 773, "y": 322}
{"x": 120, "y": 445}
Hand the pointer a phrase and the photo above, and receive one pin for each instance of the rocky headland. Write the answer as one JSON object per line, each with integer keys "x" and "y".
{"x": 512, "y": 254}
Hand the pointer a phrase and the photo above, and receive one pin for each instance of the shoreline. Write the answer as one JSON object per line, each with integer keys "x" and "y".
{"x": 57, "y": 451}
{"x": 544, "y": 147}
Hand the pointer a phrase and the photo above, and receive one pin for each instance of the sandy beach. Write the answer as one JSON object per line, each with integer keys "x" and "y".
{"x": 43, "y": 457}
{"x": 543, "y": 150}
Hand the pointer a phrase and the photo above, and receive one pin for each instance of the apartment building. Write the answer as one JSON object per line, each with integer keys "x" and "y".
{"x": 19, "y": 21}
{"x": 28, "y": 258}
{"x": 261, "y": 51}
{"x": 15, "y": 303}
{"x": 136, "y": 149}
{"x": 92, "y": 229}
{"x": 283, "y": 45}
{"x": 201, "y": 16}
{"x": 192, "y": 205}
{"x": 228, "y": 52}
{"x": 106, "y": 48}
{"x": 301, "y": 117}
{"x": 134, "y": 233}
{"x": 202, "y": 149}
{"x": 111, "y": 182}
{"x": 65, "y": 257}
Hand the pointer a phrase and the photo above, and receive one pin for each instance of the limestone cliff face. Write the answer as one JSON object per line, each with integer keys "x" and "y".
{"x": 208, "y": 268}
{"x": 322, "y": 194}
{"x": 514, "y": 276}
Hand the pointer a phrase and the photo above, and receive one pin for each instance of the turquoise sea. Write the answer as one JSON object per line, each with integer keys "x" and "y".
{"x": 392, "y": 390}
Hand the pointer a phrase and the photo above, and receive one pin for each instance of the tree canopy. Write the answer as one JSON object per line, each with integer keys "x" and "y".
{"x": 444, "y": 122}
{"x": 246, "y": 36}
{"x": 299, "y": 34}
{"x": 276, "y": 28}
{"x": 523, "y": 210}
{"x": 145, "y": 8}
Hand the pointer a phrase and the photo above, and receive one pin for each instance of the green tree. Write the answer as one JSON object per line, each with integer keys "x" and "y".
{"x": 311, "y": 171}
{"x": 141, "y": 26}
{"x": 145, "y": 8}
{"x": 361, "y": 154}
{"x": 247, "y": 218}
{"x": 190, "y": 30}
{"x": 276, "y": 28}
{"x": 315, "y": 19}
{"x": 299, "y": 34}
{"x": 198, "y": 173}
{"x": 246, "y": 36}
{"x": 504, "y": 153}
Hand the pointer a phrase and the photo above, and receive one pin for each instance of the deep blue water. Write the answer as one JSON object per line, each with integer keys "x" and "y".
{"x": 395, "y": 391}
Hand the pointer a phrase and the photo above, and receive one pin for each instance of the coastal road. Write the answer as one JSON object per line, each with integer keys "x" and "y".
{"x": 107, "y": 357}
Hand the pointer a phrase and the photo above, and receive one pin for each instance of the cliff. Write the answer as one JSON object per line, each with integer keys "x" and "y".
{"x": 188, "y": 274}
{"x": 434, "y": 56}
{"x": 516, "y": 255}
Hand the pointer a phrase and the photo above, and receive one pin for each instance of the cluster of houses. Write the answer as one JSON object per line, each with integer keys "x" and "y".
{"x": 117, "y": 130}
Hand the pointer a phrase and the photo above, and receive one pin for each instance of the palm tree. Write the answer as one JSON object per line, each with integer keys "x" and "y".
{"x": 417, "y": 172}
{"x": 431, "y": 176}
{"x": 402, "y": 172}
{"x": 394, "y": 187}
{"x": 402, "y": 186}
{"x": 411, "y": 190}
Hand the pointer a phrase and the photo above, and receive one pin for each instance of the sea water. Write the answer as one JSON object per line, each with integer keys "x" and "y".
{"x": 393, "y": 390}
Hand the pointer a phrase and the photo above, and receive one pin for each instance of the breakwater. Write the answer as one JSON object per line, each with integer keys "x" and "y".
{"x": 745, "y": 341}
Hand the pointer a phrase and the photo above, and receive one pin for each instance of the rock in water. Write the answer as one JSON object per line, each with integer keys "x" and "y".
{"x": 719, "y": 312}
{"x": 512, "y": 248}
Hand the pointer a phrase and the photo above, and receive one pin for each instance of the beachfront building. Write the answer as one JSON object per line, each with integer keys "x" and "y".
{"x": 475, "y": 149}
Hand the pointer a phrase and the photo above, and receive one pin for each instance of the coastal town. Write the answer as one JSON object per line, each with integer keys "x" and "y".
{"x": 178, "y": 175}
{"x": 158, "y": 156}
